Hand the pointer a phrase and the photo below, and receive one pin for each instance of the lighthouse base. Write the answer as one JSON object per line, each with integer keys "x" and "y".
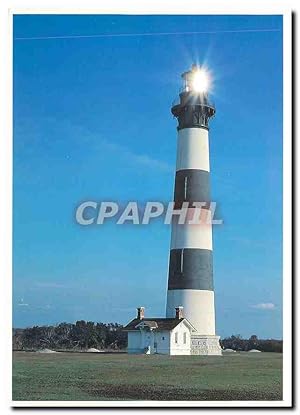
{"x": 205, "y": 345}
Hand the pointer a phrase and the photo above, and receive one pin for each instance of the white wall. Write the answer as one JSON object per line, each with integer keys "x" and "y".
{"x": 198, "y": 308}
{"x": 139, "y": 340}
{"x": 134, "y": 342}
{"x": 162, "y": 339}
{"x": 180, "y": 348}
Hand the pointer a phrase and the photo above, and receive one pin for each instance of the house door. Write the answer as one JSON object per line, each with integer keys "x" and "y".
{"x": 150, "y": 344}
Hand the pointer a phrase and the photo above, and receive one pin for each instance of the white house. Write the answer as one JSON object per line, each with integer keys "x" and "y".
{"x": 170, "y": 336}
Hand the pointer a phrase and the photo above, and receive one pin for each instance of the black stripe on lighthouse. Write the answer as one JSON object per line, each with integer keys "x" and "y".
{"x": 190, "y": 269}
{"x": 191, "y": 185}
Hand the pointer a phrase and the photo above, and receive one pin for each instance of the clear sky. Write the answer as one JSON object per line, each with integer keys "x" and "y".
{"x": 92, "y": 121}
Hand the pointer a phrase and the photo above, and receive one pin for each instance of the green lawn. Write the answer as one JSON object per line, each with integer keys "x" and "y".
{"x": 95, "y": 376}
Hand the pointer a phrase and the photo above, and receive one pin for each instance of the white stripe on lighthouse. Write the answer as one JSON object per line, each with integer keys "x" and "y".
{"x": 198, "y": 308}
{"x": 190, "y": 236}
{"x": 193, "y": 236}
{"x": 193, "y": 149}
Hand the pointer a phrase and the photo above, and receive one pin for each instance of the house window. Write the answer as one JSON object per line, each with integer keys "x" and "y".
{"x": 176, "y": 337}
{"x": 184, "y": 338}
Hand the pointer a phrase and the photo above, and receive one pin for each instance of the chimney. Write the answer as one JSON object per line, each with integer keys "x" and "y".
{"x": 179, "y": 312}
{"x": 140, "y": 313}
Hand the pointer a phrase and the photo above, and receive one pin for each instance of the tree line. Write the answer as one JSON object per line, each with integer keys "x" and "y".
{"x": 86, "y": 334}
{"x": 264, "y": 345}
{"x": 67, "y": 336}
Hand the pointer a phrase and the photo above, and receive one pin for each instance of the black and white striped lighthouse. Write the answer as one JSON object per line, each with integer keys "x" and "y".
{"x": 190, "y": 282}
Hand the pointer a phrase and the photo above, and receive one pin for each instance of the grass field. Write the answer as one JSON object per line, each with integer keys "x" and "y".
{"x": 95, "y": 376}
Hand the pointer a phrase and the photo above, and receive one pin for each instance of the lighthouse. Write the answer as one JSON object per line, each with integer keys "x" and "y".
{"x": 190, "y": 280}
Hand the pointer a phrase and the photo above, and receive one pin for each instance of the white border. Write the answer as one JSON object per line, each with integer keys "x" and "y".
{"x": 149, "y": 7}
{"x": 145, "y": 7}
{"x": 287, "y": 206}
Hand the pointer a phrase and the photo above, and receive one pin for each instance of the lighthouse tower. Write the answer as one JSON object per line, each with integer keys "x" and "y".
{"x": 190, "y": 282}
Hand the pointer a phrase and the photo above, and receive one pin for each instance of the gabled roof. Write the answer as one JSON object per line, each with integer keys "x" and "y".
{"x": 157, "y": 323}
{"x": 148, "y": 323}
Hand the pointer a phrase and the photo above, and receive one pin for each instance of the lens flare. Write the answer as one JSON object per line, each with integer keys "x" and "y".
{"x": 201, "y": 81}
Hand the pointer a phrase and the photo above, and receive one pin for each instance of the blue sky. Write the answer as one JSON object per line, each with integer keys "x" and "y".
{"x": 92, "y": 121}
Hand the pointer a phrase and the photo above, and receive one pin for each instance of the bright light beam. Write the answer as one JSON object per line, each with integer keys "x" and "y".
{"x": 201, "y": 81}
